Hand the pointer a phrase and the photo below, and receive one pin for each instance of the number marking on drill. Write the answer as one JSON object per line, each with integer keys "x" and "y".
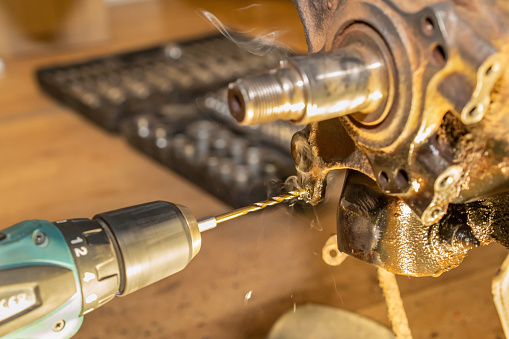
{"x": 81, "y": 251}
{"x": 76, "y": 241}
{"x": 91, "y": 298}
{"x": 88, "y": 277}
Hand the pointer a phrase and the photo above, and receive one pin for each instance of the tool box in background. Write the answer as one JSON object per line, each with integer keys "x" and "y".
{"x": 169, "y": 101}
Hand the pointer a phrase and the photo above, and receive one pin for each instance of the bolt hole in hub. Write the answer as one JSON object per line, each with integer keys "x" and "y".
{"x": 428, "y": 26}
{"x": 383, "y": 178}
{"x": 438, "y": 55}
{"x": 402, "y": 179}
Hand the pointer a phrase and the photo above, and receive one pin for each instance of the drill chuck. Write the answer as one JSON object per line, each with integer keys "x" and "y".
{"x": 152, "y": 241}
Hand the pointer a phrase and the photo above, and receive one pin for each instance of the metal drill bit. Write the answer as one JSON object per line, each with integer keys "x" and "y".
{"x": 258, "y": 206}
{"x": 211, "y": 222}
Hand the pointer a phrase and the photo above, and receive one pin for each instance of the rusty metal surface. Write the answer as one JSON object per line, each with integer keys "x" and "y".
{"x": 440, "y": 154}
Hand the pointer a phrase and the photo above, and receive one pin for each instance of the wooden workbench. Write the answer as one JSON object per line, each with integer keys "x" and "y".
{"x": 56, "y": 165}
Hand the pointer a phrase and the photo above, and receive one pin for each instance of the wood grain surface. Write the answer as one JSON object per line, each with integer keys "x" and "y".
{"x": 54, "y": 165}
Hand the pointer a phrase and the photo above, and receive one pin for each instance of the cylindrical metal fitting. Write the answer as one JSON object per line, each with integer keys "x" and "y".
{"x": 154, "y": 241}
{"x": 316, "y": 87}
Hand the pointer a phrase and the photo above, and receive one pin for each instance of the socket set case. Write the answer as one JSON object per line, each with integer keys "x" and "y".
{"x": 169, "y": 102}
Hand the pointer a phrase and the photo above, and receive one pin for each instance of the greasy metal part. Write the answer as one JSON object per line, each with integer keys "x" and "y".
{"x": 355, "y": 78}
{"x": 395, "y": 152}
{"x": 298, "y": 194}
{"x": 437, "y": 164}
{"x": 383, "y": 230}
{"x": 430, "y": 159}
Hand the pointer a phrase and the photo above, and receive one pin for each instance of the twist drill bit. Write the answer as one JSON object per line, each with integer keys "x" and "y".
{"x": 259, "y": 206}
{"x": 211, "y": 222}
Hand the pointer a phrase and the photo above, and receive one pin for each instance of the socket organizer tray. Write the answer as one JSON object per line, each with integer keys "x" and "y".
{"x": 169, "y": 101}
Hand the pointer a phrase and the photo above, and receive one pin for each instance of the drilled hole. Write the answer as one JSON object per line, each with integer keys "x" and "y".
{"x": 428, "y": 26}
{"x": 333, "y": 253}
{"x": 402, "y": 179}
{"x": 438, "y": 56}
{"x": 383, "y": 179}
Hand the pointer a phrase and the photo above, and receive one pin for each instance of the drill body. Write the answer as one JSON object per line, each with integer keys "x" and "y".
{"x": 39, "y": 283}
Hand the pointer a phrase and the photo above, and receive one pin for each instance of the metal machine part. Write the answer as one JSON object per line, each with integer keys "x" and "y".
{"x": 354, "y": 78}
{"x": 417, "y": 117}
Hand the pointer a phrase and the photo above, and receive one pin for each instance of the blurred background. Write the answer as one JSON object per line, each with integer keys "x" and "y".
{"x": 57, "y": 164}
